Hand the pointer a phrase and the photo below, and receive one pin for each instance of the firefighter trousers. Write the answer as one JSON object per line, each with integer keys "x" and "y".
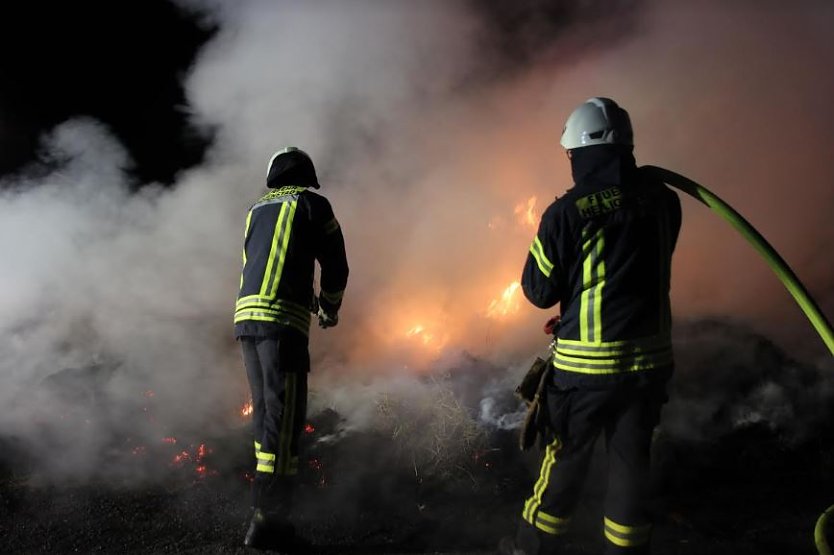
{"x": 277, "y": 369}
{"x": 626, "y": 414}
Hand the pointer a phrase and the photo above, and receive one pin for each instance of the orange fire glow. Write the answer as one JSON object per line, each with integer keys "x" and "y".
{"x": 427, "y": 337}
{"x": 508, "y": 303}
{"x": 246, "y": 410}
{"x": 526, "y": 214}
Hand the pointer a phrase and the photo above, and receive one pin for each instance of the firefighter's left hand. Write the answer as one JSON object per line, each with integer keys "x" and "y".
{"x": 327, "y": 320}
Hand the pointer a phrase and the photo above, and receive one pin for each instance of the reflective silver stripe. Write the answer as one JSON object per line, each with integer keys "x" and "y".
{"x": 333, "y": 298}
{"x": 544, "y": 263}
{"x": 614, "y": 348}
{"x": 331, "y": 226}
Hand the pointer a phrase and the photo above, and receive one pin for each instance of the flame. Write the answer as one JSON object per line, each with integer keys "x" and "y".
{"x": 420, "y": 331}
{"x": 508, "y": 303}
{"x": 247, "y": 409}
{"x": 427, "y": 337}
{"x": 526, "y": 214}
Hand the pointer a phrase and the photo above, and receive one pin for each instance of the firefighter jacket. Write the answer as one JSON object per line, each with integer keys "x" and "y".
{"x": 286, "y": 232}
{"x": 603, "y": 251}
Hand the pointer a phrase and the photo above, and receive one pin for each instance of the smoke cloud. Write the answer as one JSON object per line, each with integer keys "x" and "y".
{"x": 434, "y": 133}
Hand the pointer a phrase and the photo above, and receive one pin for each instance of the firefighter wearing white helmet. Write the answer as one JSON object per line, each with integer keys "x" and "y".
{"x": 598, "y": 121}
{"x": 602, "y": 253}
{"x": 287, "y": 231}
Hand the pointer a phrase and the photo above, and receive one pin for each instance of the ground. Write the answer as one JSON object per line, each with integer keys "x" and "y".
{"x": 743, "y": 494}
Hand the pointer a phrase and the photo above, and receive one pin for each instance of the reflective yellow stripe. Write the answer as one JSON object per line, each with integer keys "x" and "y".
{"x": 269, "y": 468}
{"x": 612, "y": 366}
{"x": 593, "y": 280}
{"x": 256, "y": 301}
{"x": 266, "y": 461}
{"x": 277, "y": 235}
{"x": 245, "y": 235}
{"x": 544, "y": 264}
{"x": 283, "y": 254}
{"x": 277, "y": 316}
{"x": 551, "y": 524}
{"x": 610, "y": 357}
{"x": 287, "y": 421}
{"x": 533, "y": 503}
{"x": 600, "y": 266}
{"x": 627, "y": 536}
{"x": 278, "y": 250}
{"x": 283, "y": 194}
{"x": 614, "y": 348}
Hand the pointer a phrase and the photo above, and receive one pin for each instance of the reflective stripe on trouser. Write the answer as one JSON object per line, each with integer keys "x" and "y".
{"x": 625, "y": 536}
{"x": 533, "y": 513}
{"x": 279, "y": 399}
{"x": 627, "y": 415}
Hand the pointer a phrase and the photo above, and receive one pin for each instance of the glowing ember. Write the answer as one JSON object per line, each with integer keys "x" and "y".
{"x": 149, "y": 393}
{"x": 508, "y": 303}
{"x": 170, "y": 440}
{"x": 139, "y": 450}
{"x": 247, "y": 409}
{"x": 181, "y": 457}
{"x": 309, "y": 429}
{"x": 526, "y": 214}
{"x": 318, "y": 467}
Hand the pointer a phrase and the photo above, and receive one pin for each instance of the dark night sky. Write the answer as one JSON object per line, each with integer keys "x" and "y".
{"x": 119, "y": 62}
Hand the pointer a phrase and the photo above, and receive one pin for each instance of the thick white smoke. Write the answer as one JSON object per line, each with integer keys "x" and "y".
{"x": 425, "y": 146}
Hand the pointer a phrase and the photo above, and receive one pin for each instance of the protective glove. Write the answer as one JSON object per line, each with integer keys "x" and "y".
{"x": 327, "y": 320}
{"x": 552, "y": 325}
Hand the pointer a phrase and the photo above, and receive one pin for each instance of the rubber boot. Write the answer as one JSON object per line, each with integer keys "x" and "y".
{"x": 529, "y": 541}
{"x": 270, "y": 527}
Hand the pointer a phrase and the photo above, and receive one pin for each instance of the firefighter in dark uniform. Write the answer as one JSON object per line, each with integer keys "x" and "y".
{"x": 603, "y": 252}
{"x": 287, "y": 230}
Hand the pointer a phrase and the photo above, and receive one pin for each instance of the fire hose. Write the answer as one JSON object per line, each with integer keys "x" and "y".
{"x": 782, "y": 271}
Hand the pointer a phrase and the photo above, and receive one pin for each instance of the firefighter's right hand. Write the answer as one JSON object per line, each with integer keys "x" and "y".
{"x": 552, "y": 325}
{"x": 327, "y": 320}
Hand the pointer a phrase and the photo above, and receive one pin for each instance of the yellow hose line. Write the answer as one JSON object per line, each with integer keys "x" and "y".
{"x": 776, "y": 263}
{"x": 819, "y": 532}
{"x": 782, "y": 271}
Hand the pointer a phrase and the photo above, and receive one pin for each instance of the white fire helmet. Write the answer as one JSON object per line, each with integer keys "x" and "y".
{"x": 599, "y": 121}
